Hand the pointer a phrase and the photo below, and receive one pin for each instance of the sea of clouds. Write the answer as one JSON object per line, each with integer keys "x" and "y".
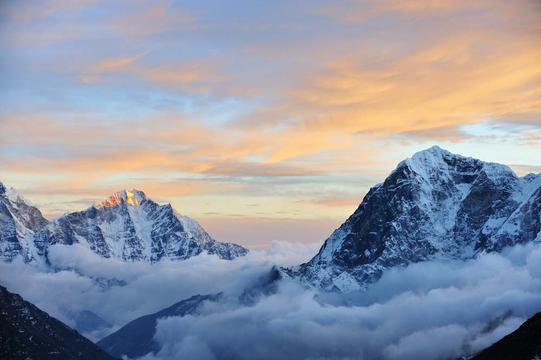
{"x": 431, "y": 310}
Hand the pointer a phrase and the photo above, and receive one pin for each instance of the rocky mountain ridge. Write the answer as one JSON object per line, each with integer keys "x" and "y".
{"x": 128, "y": 226}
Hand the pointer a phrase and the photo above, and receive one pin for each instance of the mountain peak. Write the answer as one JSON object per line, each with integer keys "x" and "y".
{"x": 432, "y": 152}
{"x": 432, "y": 157}
{"x": 13, "y": 195}
{"x": 130, "y": 197}
{"x": 436, "y": 163}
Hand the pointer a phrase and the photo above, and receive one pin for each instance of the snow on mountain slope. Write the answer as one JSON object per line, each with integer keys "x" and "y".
{"x": 127, "y": 226}
{"x": 19, "y": 221}
{"x": 132, "y": 227}
{"x": 433, "y": 205}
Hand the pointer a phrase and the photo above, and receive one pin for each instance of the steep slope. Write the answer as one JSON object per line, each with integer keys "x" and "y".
{"x": 433, "y": 205}
{"x": 522, "y": 344}
{"x": 19, "y": 221}
{"x": 136, "y": 338}
{"x": 26, "y": 332}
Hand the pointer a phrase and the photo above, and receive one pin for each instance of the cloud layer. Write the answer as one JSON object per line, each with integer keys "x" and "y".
{"x": 432, "y": 310}
{"x": 119, "y": 292}
{"x": 435, "y": 310}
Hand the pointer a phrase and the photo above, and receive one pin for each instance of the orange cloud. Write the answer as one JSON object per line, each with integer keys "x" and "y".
{"x": 446, "y": 84}
{"x": 118, "y": 64}
{"x": 190, "y": 76}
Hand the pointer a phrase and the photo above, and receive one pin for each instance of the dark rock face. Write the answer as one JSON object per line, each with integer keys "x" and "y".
{"x": 522, "y": 344}
{"x": 136, "y": 338}
{"x": 264, "y": 286}
{"x": 26, "y": 332}
{"x": 127, "y": 225}
{"x": 433, "y": 205}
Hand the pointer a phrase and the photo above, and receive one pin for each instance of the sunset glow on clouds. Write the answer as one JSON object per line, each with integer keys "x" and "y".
{"x": 263, "y": 120}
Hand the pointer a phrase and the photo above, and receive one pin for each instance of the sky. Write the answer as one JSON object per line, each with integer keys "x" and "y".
{"x": 263, "y": 120}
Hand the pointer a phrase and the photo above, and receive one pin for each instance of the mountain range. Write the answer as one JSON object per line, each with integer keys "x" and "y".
{"x": 433, "y": 206}
{"x": 127, "y": 226}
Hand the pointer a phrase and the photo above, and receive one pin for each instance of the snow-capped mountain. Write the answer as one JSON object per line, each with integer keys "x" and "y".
{"x": 19, "y": 222}
{"x": 132, "y": 227}
{"x": 433, "y": 205}
{"x": 128, "y": 226}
